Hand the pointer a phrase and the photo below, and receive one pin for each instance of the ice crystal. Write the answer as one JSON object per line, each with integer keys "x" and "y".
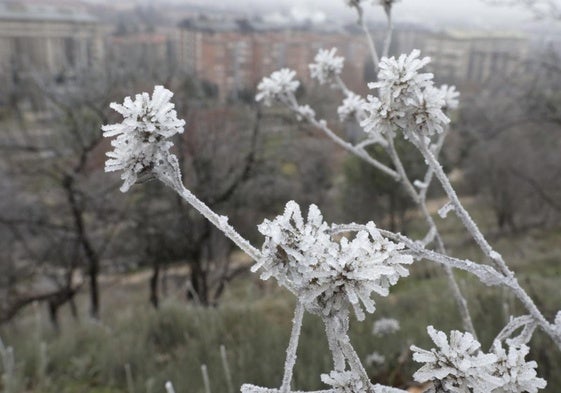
{"x": 427, "y": 116}
{"x": 352, "y": 106}
{"x": 385, "y": 326}
{"x": 344, "y": 382}
{"x": 460, "y": 366}
{"x": 407, "y": 99}
{"x": 305, "y": 112}
{"x": 451, "y": 96}
{"x": 400, "y": 77}
{"x": 329, "y": 276}
{"x": 142, "y": 144}
{"x": 381, "y": 117}
{"x": 518, "y": 376}
{"x": 280, "y": 85}
{"x": 326, "y": 65}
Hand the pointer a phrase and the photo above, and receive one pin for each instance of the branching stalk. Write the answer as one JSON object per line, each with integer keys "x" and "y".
{"x": 292, "y": 348}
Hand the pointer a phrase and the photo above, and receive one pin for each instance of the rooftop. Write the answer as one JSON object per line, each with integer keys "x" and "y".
{"x": 36, "y": 11}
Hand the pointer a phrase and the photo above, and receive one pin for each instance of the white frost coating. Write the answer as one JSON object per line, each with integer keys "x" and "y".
{"x": 142, "y": 144}
{"x": 351, "y": 107}
{"x": 385, "y": 326}
{"x": 444, "y": 210}
{"x": 169, "y": 387}
{"x": 326, "y": 66}
{"x": 451, "y": 97}
{"x": 518, "y": 376}
{"x": 459, "y": 365}
{"x": 305, "y": 112}
{"x": 344, "y": 382}
{"x": 328, "y": 276}
{"x": 280, "y": 85}
{"x": 292, "y": 348}
{"x": 407, "y": 99}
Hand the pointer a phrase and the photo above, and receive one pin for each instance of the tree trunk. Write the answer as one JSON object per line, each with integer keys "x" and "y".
{"x": 154, "y": 280}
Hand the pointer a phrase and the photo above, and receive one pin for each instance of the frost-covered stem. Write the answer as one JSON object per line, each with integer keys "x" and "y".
{"x": 334, "y": 347}
{"x": 354, "y": 361}
{"x": 226, "y": 367}
{"x": 420, "y": 200}
{"x": 369, "y": 39}
{"x": 342, "y": 86}
{"x": 401, "y": 171}
{"x": 206, "y": 380}
{"x": 389, "y": 33}
{"x": 461, "y": 212}
{"x": 220, "y": 222}
{"x": 526, "y": 300}
{"x": 358, "y": 151}
{"x": 430, "y": 172}
{"x": 469, "y": 224}
{"x": 169, "y": 387}
{"x": 292, "y": 347}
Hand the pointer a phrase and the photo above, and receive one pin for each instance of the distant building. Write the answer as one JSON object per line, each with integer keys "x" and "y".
{"x": 56, "y": 38}
{"x": 236, "y": 54}
{"x": 147, "y": 51}
{"x": 474, "y": 57}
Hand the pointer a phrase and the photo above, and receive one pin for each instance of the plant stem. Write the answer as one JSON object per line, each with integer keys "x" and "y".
{"x": 292, "y": 348}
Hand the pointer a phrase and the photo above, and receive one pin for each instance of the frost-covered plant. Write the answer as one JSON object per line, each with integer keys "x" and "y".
{"x": 408, "y": 100}
{"x": 279, "y": 86}
{"x": 333, "y": 268}
{"x": 142, "y": 144}
{"x": 326, "y": 66}
{"x": 352, "y": 106}
{"x": 385, "y": 326}
{"x": 329, "y": 275}
{"x": 459, "y": 365}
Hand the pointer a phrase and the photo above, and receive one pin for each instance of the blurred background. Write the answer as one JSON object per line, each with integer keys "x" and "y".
{"x": 108, "y": 292}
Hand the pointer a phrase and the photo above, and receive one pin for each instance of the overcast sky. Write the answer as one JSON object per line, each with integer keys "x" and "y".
{"x": 437, "y": 13}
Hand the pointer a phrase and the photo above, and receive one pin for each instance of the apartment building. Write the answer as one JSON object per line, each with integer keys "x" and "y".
{"x": 48, "y": 38}
{"x": 236, "y": 54}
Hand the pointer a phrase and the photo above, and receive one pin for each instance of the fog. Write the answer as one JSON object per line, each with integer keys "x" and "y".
{"x": 435, "y": 13}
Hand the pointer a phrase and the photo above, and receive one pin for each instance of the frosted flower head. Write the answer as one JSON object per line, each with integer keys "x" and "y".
{"x": 142, "y": 144}
{"x": 426, "y": 115}
{"x": 399, "y": 78}
{"x": 518, "y": 376}
{"x": 451, "y": 97}
{"x": 304, "y": 112}
{"x": 458, "y": 365}
{"x": 280, "y": 85}
{"x": 385, "y": 326}
{"x": 344, "y": 382}
{"x": 329, "y": 276}
{"x": 381, "y": 117}
{"x": 326, "y": 65}
{"x": 352, "y": 106}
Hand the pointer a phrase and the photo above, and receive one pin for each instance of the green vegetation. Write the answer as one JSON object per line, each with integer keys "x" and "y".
{"x": 253, "y": 322}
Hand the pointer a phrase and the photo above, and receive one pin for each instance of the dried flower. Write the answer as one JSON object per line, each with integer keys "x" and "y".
{"x": 142, "y": 144}
{"x": 280, "y": 85}
{"x": 326, "y": 65}
{"x": 329, "y": 276}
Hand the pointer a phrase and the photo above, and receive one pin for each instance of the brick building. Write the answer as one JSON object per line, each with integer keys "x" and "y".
{"x": 236, "y": 55}
{"x": 51, "y": 38}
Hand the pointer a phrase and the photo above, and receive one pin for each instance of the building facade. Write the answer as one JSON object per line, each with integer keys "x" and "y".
{"x": 51, "y": 39}
{"x": 236, "y": 55}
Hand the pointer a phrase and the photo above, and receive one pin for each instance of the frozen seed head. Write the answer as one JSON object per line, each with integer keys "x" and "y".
{"x": 326, "y": 66}
{"x": 142, "y": 144}
{"x": 279, "y": 86}
{"x": 329, "y": 275}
